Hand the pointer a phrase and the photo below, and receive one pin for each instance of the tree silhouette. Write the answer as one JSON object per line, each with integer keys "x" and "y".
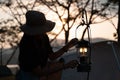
{"x": 71, "y": 13}
{"x": 95, "y": 9}
{"x": 117, "y": 2}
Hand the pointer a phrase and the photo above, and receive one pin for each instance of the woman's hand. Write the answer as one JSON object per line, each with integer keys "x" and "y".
{"x": 71, "y": 64}
{"x": 72, "y": 42}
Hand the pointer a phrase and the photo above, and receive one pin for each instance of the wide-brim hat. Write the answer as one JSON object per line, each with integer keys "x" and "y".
{"x": 36, "y": 23}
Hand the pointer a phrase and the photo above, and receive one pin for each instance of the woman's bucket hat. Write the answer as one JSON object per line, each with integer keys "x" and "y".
{"x": 36, "y": 23}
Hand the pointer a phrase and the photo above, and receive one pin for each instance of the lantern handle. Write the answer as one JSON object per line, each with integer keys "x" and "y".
{"x": 84, "y": 22}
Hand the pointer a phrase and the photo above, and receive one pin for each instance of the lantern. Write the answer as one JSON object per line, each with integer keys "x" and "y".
{"x": 83, "y": 51}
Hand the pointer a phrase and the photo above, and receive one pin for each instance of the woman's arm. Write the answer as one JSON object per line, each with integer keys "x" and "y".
{"x": 64, "y": 49}
{"x": 55, "y": 68}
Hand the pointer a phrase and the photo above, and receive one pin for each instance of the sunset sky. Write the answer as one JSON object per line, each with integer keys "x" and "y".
{"x": 102, "y": 30}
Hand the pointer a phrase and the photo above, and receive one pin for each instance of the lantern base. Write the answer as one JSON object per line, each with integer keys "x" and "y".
{"x": 83, "y": 68}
